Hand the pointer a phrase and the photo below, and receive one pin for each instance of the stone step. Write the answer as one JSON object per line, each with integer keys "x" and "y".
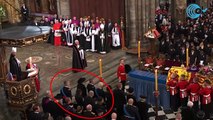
{"x": 105, "y": 74}
{"x": 108, "y": 75}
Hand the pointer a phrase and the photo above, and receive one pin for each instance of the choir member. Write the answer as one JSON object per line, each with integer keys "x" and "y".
{"x": 66, "y": 29}
{"x": 74, "y": 31}
{"x": 101, "y": 41}
{"x": 94, "y": 33}
{"x": 81, "y": 35}
{"x": 116, "y": 41}
{"x": 87, "y": 36}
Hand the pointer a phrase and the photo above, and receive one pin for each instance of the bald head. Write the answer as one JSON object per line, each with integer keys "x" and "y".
{"x": 130, "y": 101}
{"x": 119, "y": 85}
{"x": 113, "y": 116}
{"x": 91, "y": 93}
{"x": 100, "y": 85}
{"x": 89, "y": 107}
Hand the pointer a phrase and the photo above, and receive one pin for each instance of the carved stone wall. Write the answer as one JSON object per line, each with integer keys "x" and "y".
{"x": 140, "y": 15}
{"x": 12, "y": 14}
{"x": 63, "y": 7}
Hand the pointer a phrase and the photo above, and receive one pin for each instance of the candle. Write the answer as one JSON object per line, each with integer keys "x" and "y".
{"x": 30, "y": 62}
{"x": 139, "y": 49}
{"x": 156, "y": 80}
{"x": 187, "y": 57}
{"x": 100, "y": 67}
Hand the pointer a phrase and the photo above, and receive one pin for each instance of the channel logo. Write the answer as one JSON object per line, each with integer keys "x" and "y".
{"x": 194, "y": 11}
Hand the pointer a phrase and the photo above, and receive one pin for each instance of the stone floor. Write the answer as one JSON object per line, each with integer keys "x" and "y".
{"x": 51, "y": 59}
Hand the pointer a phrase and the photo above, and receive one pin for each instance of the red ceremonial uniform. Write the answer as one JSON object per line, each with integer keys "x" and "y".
{"x": 57, "y": 34}
{"x": 182, "y": 85}
{"x": 193, "y": 89}
{"x": 172, "y": 86}
{"x": 121, "y": 73}
{"x": 206, "y": 95}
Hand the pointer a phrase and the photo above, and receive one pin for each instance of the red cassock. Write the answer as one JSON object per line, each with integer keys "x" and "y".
{"x": 182, "y": 85}
{"x": 57, "y": 34}
{"x": 37, "y": 81}
{"x": 172, "y": 86}
{"x": 120, "y": 70}
{"x": 193, "y": 89}
{"x": 206, "y": 95}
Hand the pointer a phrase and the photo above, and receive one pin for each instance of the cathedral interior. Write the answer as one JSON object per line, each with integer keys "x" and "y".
{"x": 136, "y": 18}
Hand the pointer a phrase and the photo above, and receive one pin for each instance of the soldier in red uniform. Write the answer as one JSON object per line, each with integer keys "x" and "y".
{"x": 121, "y": 73}
{"x": 193, "y": 90}
{"x": 206, "y": 101}
{"x": 174, "y": 98}
{"x": 182, "y": 85}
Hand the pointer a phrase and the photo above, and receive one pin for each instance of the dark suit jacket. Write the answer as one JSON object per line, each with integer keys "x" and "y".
{"x": 133, "y": 111}
{"x": 88, "y": 114}
{"x": 90, "y": 87}
{"x": 143, "y": 107}
{"x": 83, "y": 89}
{"x": 35, "y": 116}
{"x": 66, "y": 92}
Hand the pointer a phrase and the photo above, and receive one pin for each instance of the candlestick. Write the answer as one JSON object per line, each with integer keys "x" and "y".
{"x": 100, "y": 67}
{"x": 187, "y": 57}
{"x": 139, "y": 49}
{"x": 156, "y": 80}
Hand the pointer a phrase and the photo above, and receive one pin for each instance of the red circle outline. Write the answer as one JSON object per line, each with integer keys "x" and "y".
{"x": 87, "y": 72}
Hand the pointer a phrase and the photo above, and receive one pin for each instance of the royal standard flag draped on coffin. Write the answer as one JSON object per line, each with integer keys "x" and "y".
{"x": 179, "y": 71}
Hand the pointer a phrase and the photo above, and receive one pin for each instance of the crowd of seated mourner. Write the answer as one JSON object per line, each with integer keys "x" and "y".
{"x": 90, "y": 101}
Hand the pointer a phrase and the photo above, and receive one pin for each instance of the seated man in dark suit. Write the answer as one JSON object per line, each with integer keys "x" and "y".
{"x": 89, "y": 99}
{"x": 131, "y": 111}
{"x": 88, "y": 112}
{"x": 36, "y": 113}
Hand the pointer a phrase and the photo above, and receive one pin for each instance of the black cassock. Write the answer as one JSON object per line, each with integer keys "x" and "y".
{"x": 77, "y": 61}
{"x": 15, "y": 68}
{"x": 103, "y": 44}
{"x": 51, "y": 37}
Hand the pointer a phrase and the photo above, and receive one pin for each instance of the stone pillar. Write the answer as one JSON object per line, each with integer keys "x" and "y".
{"x": 140, "y": 14}
{"x": 44, "y": 6}
{"x": 127, "y": 15}
{"x": 132, "y": 23}
{"x": 180, "y": 8}
{"x": 63, "y": 7}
